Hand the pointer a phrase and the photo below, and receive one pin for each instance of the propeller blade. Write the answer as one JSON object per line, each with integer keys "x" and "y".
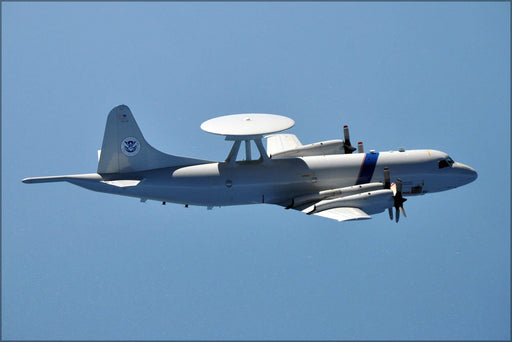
{"x": 398, "y": 199}
{"x": 347, "y": 146}
{"x": 346, "y": 134}
{"x": 387, "y": 181}
{"x": 399, "y": 186}
{"x": 402, "y": 211}
{"x": 360, "y": 148}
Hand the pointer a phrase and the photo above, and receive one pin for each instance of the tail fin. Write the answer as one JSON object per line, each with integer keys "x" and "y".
{"x": 124, "y": 148}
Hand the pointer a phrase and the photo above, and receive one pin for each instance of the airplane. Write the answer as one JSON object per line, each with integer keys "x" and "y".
{"x": 325, "y": 179}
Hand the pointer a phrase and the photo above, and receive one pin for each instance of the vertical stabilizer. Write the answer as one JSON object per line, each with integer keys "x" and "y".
{"x": 124, "y": 148}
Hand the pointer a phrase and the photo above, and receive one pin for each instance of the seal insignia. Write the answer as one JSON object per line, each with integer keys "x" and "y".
{"x": 130, "y": 146}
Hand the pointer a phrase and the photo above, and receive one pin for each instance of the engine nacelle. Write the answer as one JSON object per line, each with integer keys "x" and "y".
{"x": 316, "y": 149}
{"x": 380, "y": 200}
{"x": 338, "y": 193}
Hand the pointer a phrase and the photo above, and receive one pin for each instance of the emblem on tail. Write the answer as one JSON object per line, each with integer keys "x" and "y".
{"x": 130, "y": 146}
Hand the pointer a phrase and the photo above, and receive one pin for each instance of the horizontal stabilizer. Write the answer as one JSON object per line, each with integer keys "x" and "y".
{"x": 92, "y": 181}
{"x": 51, "y": 179}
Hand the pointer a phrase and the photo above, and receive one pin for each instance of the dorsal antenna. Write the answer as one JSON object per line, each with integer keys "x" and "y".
{"x": 247, "y": 127}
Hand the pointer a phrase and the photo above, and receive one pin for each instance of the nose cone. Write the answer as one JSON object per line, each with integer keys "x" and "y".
{"x": 465, "y": 174}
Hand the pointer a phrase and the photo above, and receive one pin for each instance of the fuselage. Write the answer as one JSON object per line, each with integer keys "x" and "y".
{"x": 324, "y": 178}
{"x": 277, "y": 181}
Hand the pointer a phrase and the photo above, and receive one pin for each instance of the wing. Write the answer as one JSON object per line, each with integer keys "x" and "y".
{"x": 350, "y": 203}
{"x": 344, "y": 214}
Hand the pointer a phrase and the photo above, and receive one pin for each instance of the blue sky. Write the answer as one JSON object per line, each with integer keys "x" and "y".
{"x": 83, "y": 265}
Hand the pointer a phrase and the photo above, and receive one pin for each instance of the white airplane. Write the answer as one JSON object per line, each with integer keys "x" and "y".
{"x": 323, "y": 178}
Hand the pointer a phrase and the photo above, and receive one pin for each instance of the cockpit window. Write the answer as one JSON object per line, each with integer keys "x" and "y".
{"x": 447, "y": 162}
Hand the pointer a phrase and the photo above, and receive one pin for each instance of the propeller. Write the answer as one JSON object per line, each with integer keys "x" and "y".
{"x": 347, "y": 146}
{"x": 387, "y": 185}
{"x": 398, "y": 199}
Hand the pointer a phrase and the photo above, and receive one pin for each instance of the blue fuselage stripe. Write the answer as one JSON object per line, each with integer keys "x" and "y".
{"x": 367, "y": 168}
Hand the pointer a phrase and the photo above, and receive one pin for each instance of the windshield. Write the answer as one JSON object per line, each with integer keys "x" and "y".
{"x": 446, "y": 162}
